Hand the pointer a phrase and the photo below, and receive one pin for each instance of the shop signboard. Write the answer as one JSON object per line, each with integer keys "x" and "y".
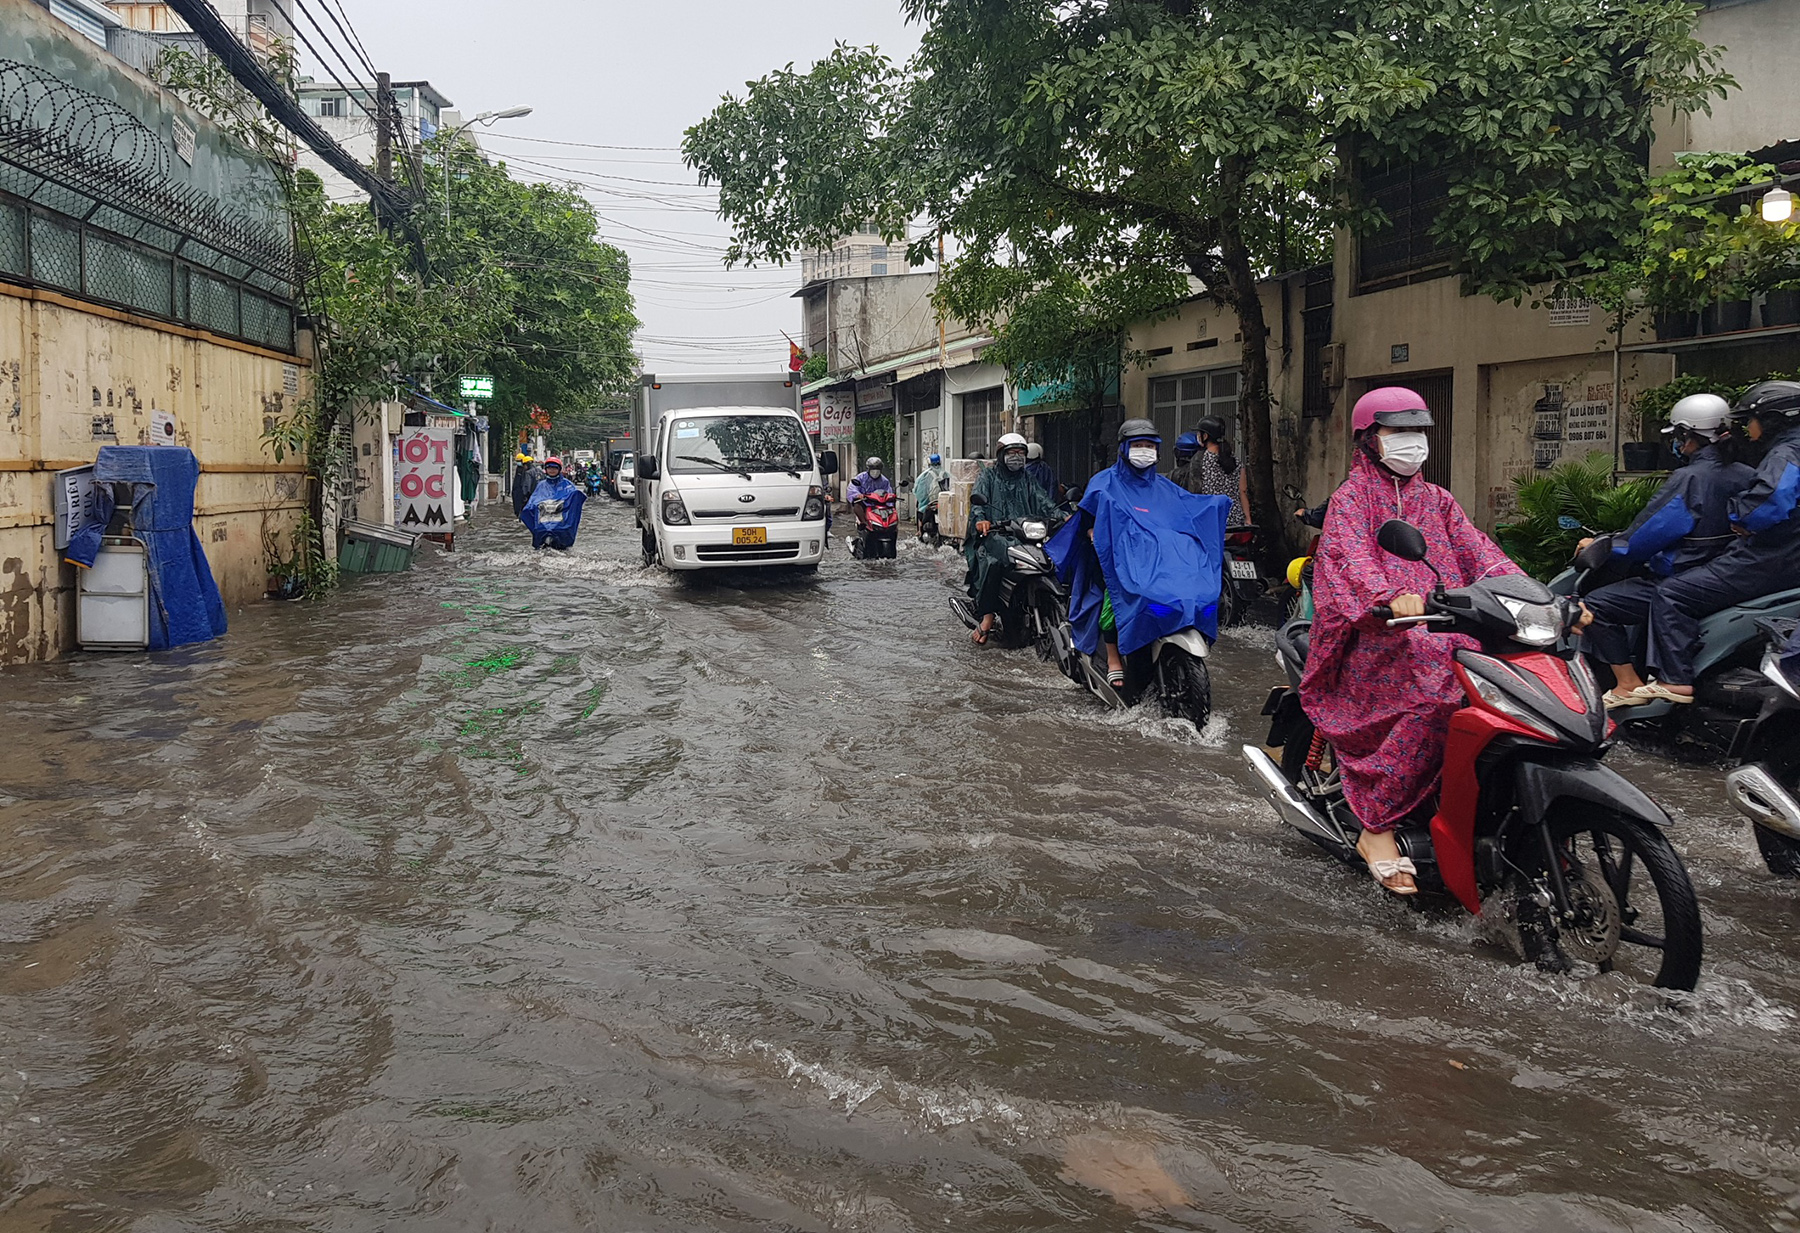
{"x": 424, "y": 460}
{"x": 477, "y": 389}
{"x": 77, "y": 503}
{"x": 809, "y": 413}
{"x": 837, "y": 415}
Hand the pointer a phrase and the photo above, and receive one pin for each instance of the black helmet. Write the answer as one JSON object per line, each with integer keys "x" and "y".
{"x": 1211, "y": 427}
{"x": 1769, "y": 400}
{"x": 1132, "y": 430}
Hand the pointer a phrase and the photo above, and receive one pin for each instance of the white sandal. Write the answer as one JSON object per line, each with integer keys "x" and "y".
{"x": 1656, "y": 691}
{"x": 1385, "y": 869}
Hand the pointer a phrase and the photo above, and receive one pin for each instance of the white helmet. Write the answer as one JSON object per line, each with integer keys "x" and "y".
{"x": 1009, "y": 441}
{"x": 1034, "y": 451}
{"x": 872, "y": 463}
{"x": 1702, "y": 414}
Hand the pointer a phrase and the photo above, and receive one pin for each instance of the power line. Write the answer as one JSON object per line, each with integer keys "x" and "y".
{"x": 585, "y": 145}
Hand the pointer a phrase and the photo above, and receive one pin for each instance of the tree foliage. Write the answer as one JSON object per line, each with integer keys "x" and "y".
{"x": 518, "y": 283}
{"x": 1699, "y": 236}
{"x": 1212, "y": 141}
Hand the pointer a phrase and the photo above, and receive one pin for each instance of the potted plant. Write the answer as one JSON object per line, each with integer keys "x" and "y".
{"x": 1575, "y": 498}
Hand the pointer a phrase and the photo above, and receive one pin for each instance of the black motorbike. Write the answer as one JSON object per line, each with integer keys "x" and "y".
{"x": 1528, "y": 818}
{"x": 1033, "y": 604}
{"x": 1730, "y": 688}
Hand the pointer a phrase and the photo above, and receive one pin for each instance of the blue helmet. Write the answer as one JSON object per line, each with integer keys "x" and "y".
{"x": 935, "y": 460}
{"x": 1187, "y": 443}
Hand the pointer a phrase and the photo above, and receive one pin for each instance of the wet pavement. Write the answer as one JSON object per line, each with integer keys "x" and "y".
{"x": 541, "y": 892}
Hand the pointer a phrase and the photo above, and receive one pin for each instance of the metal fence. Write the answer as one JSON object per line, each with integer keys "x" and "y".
{"x": 88, "y": 206}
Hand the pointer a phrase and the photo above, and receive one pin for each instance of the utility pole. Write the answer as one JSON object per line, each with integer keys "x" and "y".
{"x": 384, "y": 134}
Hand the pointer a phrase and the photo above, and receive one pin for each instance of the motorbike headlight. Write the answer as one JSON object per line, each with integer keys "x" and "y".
{"x": 1492, "y": 695}
{"x": 674, "y": 510}
{"x": 1534, "y": 624}
{"x": 1034, "y": 530}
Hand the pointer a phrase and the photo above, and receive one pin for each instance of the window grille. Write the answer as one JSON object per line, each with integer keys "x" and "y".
{"x": 213, "y": 305}
{"x": 13, "y": 259}
{"x": 55, "y": 253}
{"x": 1180, "y": 402}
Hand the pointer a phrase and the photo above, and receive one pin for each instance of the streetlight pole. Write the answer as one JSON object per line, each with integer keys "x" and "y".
{"x": 486, "y": 117}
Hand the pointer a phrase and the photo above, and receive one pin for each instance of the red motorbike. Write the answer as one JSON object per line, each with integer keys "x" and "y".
{"x": 877, "y": 526}
{"x": 1528, "y": 821}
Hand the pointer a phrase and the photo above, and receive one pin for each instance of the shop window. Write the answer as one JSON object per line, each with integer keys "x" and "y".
{"x": 981, "y": 412}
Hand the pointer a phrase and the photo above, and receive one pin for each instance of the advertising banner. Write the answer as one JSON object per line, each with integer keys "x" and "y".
{"x": 424, "y": 462}
{"x": 837, "y": 415}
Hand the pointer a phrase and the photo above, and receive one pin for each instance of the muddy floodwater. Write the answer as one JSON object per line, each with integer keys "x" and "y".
{"x": 539, "y": 892}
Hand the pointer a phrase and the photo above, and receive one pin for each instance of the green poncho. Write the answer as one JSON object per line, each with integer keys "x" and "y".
{"x": 1005, "y": 496}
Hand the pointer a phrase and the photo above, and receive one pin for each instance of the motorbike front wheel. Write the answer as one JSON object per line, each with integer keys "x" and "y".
{"x": 1185, "y": 688}
{"x": 1632, "y": 906}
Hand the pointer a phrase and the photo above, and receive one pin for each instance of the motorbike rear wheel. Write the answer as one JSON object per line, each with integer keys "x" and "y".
{"x": 1633, "y": 905}
{"x": 1184, "y": 687}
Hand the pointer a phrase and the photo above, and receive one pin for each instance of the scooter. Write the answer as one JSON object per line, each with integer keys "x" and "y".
{"x": 1243, "y": 581}
{"x": 1766, "y": 788}
{"x": 1033, "y": 604}
{"x": 877, "y": 526}
{"x": 928, "y": 524}
{"x": 1528, "y": 817}
{"x": 1729, "y": 688}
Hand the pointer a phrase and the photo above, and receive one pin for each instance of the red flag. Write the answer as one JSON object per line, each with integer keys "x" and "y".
{"x": 796, "y": 357}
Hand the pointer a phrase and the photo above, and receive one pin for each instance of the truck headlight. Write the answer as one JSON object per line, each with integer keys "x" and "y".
{"x": 674, "y": 510}
{"x": 815, "y": 504}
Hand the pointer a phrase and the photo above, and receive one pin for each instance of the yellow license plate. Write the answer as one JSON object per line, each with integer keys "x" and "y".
{"x": 750, "y": 535}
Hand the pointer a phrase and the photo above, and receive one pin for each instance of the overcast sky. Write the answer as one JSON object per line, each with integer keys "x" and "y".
{"x": 631, "y": 74}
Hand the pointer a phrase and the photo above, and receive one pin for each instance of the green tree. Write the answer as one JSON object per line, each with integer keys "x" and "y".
{"x": 1213, "y": 141}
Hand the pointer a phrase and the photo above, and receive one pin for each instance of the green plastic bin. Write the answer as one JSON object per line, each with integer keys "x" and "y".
{"x": 371, "y": 549}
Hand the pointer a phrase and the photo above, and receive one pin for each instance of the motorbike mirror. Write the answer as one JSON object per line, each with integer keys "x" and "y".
{"x": 975, "y": 498}
{"x": 1402, "y": 539}
{"x": 1595, "y": 554}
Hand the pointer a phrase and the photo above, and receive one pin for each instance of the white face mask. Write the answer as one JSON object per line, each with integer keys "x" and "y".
{"x": 1405, "y": 452}
{"x": 1143, "y": 457}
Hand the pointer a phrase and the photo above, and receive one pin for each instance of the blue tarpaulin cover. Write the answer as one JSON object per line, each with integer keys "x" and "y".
{"x": 184, "y": 600}
{"x": 1158, "y": 550}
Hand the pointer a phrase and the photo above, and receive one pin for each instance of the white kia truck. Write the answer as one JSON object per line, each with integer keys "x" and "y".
{"x": 726, "y": 475}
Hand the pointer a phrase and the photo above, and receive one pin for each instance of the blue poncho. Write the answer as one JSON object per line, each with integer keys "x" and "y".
{"x": 185, "y": 604}
{"x": 553, "y": 514}
{"x": 1157, "y": 550}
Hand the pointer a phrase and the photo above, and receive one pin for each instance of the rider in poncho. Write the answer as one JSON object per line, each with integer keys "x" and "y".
{"x": 1383, "y": 697}
{"x": 553, "y": 514}
{"x": 1004, "y": 492}
{"x": 1143, "y": 561}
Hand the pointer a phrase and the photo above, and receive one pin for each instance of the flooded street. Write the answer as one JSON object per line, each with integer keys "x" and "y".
{"x": 542, "y": 892}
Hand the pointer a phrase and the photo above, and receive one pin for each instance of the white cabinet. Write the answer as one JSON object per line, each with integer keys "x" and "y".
{"x": 112, "y": 607}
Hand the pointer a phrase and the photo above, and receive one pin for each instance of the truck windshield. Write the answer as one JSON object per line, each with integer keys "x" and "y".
{"x": 742, "y": 443}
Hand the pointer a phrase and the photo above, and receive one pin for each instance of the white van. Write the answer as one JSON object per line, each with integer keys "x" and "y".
{"x": 626, "y": 481}
{"x": 732, "y": 486}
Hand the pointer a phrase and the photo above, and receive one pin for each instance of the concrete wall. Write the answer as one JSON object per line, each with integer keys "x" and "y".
{"x": 1762, "y": 45}
{"x": 68, "y": 371}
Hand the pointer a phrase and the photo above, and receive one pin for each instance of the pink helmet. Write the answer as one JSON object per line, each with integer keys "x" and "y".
{"x": 1391, "y": 406}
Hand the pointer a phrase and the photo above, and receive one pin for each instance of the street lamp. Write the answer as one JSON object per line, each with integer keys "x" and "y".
{"x": 1777, "y": 205}
{"x": 486, "y": 117}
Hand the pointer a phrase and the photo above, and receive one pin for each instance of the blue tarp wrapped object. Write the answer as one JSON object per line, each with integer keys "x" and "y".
{"x": 553, "y": 514}
{"x": 184, "y": 600}
{"x": 1158, "y": 550}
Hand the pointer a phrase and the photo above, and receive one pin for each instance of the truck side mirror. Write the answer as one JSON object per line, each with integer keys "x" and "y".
{"x": 828, "y": 463}
{"x": 647, "y": 467}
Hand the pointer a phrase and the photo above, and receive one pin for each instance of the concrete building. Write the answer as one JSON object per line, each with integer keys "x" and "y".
{"x": 150, "y": 286}
{"x": 259, "y": 23}
{"x": 861, "y": 254}
{"x": 346, "y": 111}
{"x": 892, "y": 356}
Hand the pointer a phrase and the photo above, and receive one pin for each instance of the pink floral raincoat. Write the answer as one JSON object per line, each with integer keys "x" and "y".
{"x": 1383, "y": 697}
